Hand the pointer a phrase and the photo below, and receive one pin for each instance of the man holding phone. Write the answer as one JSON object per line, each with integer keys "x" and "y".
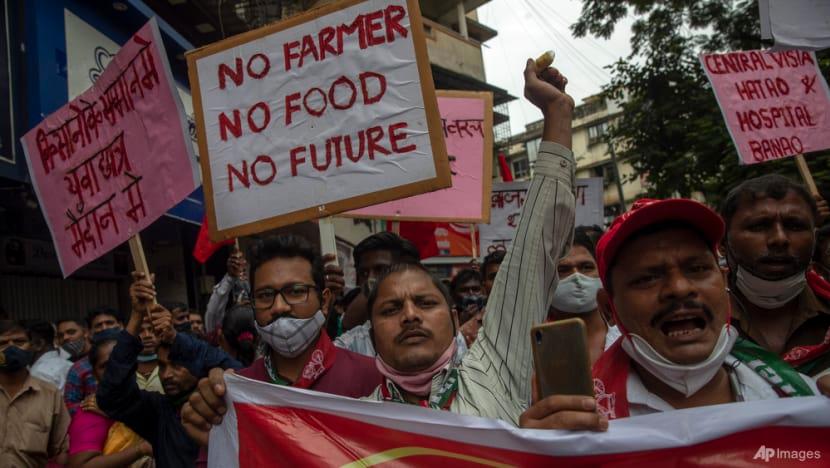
{"x": 666, "y": 293}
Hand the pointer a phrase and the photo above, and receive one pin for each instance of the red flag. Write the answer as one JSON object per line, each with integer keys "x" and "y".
{"x": 506, "y": 175}
{"x": 205, "y": 247}
{"x": 422, "y": 234}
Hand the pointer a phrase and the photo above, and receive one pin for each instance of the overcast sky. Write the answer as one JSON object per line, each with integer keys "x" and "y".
{"x": 526, "y": 28}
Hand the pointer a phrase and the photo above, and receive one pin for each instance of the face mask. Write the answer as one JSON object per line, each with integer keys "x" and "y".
{"x": 369, "y": 285}
{"x": 147, "y": 357}
{"x": 475, "y": 300}
{"x": 13, "y": 359}
{"x": 74, "y": 348}
{"x": 576, "y": 294}
{"x": 685, "y": 378}
{"x": 182, "y": 327}
{"x": 769, "y": 294}
{"x": 290, "y": 336}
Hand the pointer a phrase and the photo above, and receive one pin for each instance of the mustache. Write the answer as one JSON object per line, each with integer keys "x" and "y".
{"x": 400, "y": 337}
{"x": 677, "y": 305}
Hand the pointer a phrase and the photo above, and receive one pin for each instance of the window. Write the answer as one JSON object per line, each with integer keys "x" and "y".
{"x": 597, "y": 132}
{"x": 521, "y": 168}
{"x": 532, "y": 148}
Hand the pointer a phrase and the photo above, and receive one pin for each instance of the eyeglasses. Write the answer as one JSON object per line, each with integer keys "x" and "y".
{"x": 292, "y": 294}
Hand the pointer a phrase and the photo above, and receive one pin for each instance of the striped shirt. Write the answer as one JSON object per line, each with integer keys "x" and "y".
{"x": 494, "y": 376}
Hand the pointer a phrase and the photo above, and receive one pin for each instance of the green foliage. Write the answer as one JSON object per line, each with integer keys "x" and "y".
{"x": 672, "y": 130}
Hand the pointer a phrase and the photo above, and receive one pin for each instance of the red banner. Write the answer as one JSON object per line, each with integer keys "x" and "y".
{"x": 303, "y": 428}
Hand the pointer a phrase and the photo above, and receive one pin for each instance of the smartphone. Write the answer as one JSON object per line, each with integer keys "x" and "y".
{"x": 561, "y": 358}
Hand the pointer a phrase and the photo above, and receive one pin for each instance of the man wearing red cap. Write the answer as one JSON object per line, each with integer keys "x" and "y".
{"x": 662, "y": 284}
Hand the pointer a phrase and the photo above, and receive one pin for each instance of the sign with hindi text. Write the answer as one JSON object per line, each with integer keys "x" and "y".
{"x": 467, "y": 121}
{"x": 776, "y": 104}
{"x": 115, "y": 158}
{"x": 506, "y": 207}
{"x": 321, "y": 113}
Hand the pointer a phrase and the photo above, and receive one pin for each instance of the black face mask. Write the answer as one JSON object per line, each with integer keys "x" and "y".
{"x": 13, "y": 359}
{"x": 183, "y": 327}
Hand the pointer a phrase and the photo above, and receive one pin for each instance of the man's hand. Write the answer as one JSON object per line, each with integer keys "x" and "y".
{"x": 205, "y": 407}
{"x": 546, "y": 90}
{"x": 823, "y": 210}
{"x": 142, "y": 292}
{"x": 570, "y": 412}
{"x": 90, "y": 404}
{"x": 237, "y": 265}
{"x": 470, "y": 328}
{"x": 335, "y": 280}
{"x": 162, "y": 321}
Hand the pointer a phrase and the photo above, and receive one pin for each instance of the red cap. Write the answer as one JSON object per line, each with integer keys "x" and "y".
{"x": 648, "y": 212}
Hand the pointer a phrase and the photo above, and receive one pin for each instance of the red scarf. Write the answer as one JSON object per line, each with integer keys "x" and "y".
{"x": 803, "y": 354}
{"x": 610, "y": 381}
{"x": 320, "y": 361}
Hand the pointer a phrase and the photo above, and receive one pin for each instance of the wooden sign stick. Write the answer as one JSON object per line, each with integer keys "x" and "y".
{"x": 473, "y": 241}
{"x": 140, "y": 261}
{"x": 804, "y": 170}
{"x": 328, "y": 241}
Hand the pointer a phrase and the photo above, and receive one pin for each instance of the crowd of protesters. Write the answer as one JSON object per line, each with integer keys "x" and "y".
{"x": 680, "y": 304}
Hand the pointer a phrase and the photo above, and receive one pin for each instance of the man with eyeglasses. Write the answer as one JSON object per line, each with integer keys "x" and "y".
{"x": 290, "y": 303}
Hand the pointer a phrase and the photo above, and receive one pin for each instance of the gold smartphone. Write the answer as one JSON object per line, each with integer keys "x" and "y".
{"x": 561, "y": 358}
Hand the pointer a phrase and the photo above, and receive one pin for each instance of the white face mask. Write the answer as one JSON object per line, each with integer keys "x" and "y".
{"x": 769, "y": 294}
{"x": 290, "y": 336}
{"x": 685, "y": 378}
{"x": 576, "y": 294}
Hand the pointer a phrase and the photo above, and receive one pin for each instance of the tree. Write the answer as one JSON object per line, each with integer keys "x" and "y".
{"x": 672, "y": 130}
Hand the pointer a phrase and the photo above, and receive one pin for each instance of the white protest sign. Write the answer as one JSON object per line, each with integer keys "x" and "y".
{"x": 508, "y": 198}
{"x": 322, "y": 113}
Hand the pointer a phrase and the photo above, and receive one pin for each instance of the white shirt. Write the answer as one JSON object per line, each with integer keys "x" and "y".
{"x": 51, "y": 367}
{"x": 749, "y": 385}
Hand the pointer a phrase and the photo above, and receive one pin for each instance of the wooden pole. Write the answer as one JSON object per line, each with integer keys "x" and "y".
{"x": 804, "y": 170}
{"x": 139, "y": 260}
{"x": 473, "y": 240}
{"x": 328, "y": 241}
{"x": 396, "y": 227}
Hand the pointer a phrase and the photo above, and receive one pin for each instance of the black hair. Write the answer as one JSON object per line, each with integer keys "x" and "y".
{"x": 240, "y": 333}
{"x": 76, "y": 320}
{"x": 7, "y": 326}
{"x": 103, "y": 310}
{"x": 401, "y": 267}
{"x": 41, "y": 330}
{"x": 647, "y": 231}
{"x": 493, "y": 258}
{"x": 173, "y": 305}
{"x": 462, "y": 277}
{"x": 286, "y": 246}
{"x": 773, "y": 186}
{"x": 403, "y": 251}
{"x": 98, "y": 341}
{"x": 582, "y": 237}
{"x": 594, "y": 232}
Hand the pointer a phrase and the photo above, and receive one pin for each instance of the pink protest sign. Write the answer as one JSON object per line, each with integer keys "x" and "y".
{"x": 776, "y": 104}
{"x": 467, "y": 121}
{"x": 114, "y": 159}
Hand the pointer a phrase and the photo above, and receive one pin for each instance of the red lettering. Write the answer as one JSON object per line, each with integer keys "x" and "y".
{"x": 352, "y": 96}
{"x": 364, "y": 87}
{"x": 288, "y": 53}
{"x": 308, "y": 49}
{"x": 326, "y": 35}
{"x": 313, "y": 151}
{"x": 296, "y": 160}
{"x": 347, "y": 142}
{"x": 374, "y": 22}
{"x": 266, "y": 65}
{"x": 392, "y": 15}
{"x": 374, "y": 135}
{"x": 241, "y": 176}
{"x": 355, "y": 27}
{"x": 757, "y": 154}
{"x": 273, "y": 169}
{"x": 225, "y": 125}
{"x": 315, "y": 112}
{"x": 335, "y": 140}
{"x": 395, "y": 137}
{"x": 266, "y": 119}
{"x": 291, "y": 108}
{"x": 235, "y": 74}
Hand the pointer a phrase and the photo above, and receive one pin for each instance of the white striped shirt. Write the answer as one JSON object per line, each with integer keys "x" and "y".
{"x": 494, "y": 376}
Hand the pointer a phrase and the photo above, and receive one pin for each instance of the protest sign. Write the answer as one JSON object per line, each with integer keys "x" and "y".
{"x": 467, "y": 121}
{"x": 506, "y": 206}
{"x": 324, "y": 112}
{"x": 115, "y": 158}
{"x": 776, "y": 104}
{"x": 308, "y": 428}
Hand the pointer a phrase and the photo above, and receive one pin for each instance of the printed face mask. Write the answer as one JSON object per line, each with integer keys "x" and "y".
{"x": 74, "y": 348}
{"x": 290, "y": 336}
{"x": 576, "y": 294}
